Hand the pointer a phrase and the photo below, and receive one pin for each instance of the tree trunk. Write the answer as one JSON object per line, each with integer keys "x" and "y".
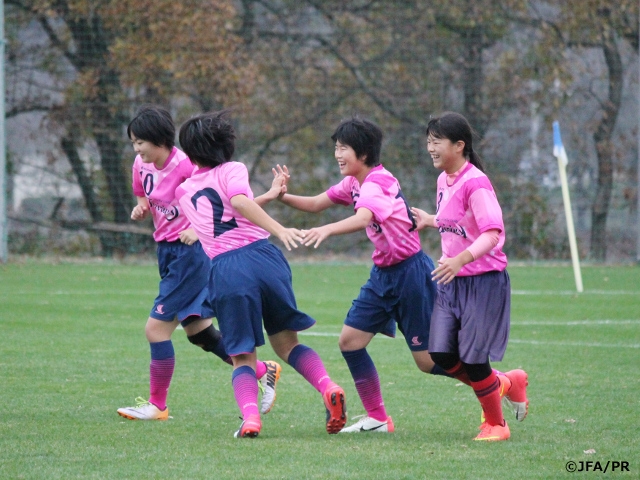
{"x": 604, "y": 149}
{"x": 473, "y": 79}
{"x": 106, "y": 119}
{"x": 88, "y": 193}
{"x": 84, "y": 182}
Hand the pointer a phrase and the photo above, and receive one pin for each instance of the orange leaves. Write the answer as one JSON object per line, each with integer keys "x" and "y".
{"x": 179, "y": 47}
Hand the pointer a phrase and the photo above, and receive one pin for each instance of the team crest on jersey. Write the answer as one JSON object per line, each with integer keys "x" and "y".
{"x": 171, "y": 212}
{"x": 452, "y": 227}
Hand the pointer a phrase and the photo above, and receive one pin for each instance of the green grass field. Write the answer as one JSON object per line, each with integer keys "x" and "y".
{"x": 73, "y": 350}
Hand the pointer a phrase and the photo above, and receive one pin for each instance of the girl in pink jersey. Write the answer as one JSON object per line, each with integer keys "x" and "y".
{"x": 159, "y": 168}
{"x": 252, "y": 278}
{"x": 471, "y": 318}
{"x": 399, "y": 290}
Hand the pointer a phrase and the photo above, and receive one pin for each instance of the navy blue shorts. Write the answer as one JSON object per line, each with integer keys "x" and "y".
{"x": 402, "y": 294}
{"x": 184, "y": 283}
{"x": 472, "y": 317}
{"x": 253, "y": 284}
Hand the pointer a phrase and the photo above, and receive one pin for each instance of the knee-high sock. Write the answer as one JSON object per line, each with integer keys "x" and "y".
{"x": 438, "y": 370}
{"x": 488, "y": 393}
{"x": 163, "y": 362}
{"x": 459, "y": 373}
{"x": 308, "y": 363}
{"x": 261, "y": 369}
{"x": 367, "y": 382}
{"x": 245, "y": 389}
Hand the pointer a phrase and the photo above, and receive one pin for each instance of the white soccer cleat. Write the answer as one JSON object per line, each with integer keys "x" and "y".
{"x": 144, "y": 411}
{"x": 368, "y": 424}
{"x": 268, "y": 384}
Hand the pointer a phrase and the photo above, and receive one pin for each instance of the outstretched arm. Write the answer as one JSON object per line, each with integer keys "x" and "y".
{"x": 356, "y": 222}
{"x": 308, "y": 204}
{"x": 255, "y": 214}
{"x": 278, "y": 186}
{"x": 281, "y": 177}
{"x": 423, "y": 219}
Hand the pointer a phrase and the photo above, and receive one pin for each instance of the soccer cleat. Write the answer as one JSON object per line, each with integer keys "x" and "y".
{"x": 493, "y": 433}
{"x": 268, "y": 384}
{"x": 250, "y": 427}
{"x": 368, "y": 424}
{"x": 144, "y": 411}
{"x": 515, "y": 398}
{"x": 334, "y": 402}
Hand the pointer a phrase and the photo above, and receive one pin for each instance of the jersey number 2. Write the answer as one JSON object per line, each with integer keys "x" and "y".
{"x": 219, "y": 227}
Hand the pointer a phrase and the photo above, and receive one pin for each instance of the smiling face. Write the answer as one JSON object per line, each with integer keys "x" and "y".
{"x": 349, "y": 163}
{"x": 150, "y": 153}
{"x": 446, "y": 155}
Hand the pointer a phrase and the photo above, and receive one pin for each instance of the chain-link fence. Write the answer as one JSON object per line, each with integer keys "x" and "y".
{"x": 77, "y": 71}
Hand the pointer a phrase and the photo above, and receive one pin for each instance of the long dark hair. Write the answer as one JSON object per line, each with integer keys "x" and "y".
{"x": 455, "y": 127}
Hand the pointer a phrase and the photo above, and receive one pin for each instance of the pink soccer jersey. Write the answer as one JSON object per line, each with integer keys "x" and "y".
{"x": 392, "y": 229}
{"x": 206, "y": 200}
{"x": 463, "y": 211}
{"x": 159, "y": 186}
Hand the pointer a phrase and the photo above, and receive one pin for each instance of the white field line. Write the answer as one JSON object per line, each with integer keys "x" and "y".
{"x": 576, "y": 344}
{"x": 534, "y": 342}
{"x": 576, "y": 322}
{"x": 153, "y": 293}
{"x": 573, "y": 292}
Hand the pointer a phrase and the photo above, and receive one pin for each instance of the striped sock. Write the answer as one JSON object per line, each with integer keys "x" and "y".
{"x": 367, "y": 382}
{"x": 163, "y": 362}
{"x": 459, "y": 373}
{"x": 307, "y": 363}
{"x": 245, "y": 389}
{"x": 488, "y": 393}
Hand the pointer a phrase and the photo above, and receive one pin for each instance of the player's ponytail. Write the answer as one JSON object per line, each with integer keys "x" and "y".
{"x": 475, "y": 159}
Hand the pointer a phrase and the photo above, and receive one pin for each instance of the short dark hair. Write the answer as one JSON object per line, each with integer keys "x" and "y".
{"x": 208, "y": 139}
{"x": 364, "y": 136}
{"x": 154, "y": 124}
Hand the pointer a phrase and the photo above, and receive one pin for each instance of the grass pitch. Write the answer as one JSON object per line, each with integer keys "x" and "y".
{"x": 73, "y": 350}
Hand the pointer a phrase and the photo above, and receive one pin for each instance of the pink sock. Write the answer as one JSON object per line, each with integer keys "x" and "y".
{"x": 160, "y": 374}
{"x": 365, "y": 376}
{"x": 371, "y": 395}
{"x": 307, "y": 363}
{"x": 488, "y": 393}
{"x": 245, "y": 389}
{"x": 261, "y": 369}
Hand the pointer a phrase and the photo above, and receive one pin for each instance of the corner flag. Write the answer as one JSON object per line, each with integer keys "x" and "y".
{"x": 560, "y": 153}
